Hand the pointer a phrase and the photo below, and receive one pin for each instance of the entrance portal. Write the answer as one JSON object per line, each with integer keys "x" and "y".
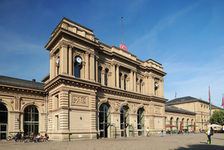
{"x": 124, "y": 120}
{"x": 103, "y": 120}
{"x": 140, "y": 123}
{"x": 3, "y": 121}
{"x": 31, "y": 120}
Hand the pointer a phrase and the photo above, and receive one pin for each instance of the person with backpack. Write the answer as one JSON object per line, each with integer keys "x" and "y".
{"x": 209, "y": 133}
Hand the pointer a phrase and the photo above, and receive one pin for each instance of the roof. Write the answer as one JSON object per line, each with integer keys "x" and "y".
{"x": 21, "y": 83}
{"x": 186, "y": 99}
{"x": 178, "y": 110}
{"x": 216, "y": 107}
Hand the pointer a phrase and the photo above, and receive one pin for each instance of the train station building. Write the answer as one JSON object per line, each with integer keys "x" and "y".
{"x": 92, "y": 91}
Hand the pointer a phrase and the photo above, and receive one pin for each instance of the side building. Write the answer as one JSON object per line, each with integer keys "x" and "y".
{"x": 198, "y": 106}
{"x": 178, "y": 119}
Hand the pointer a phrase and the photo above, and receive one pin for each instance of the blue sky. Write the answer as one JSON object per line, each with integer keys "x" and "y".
{"x": 186, "y": 36}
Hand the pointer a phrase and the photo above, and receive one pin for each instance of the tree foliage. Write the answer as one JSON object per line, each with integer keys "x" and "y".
{"x": 217, "y": 117}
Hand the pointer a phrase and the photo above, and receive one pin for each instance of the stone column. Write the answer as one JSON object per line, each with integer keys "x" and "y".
{"x": 52, "y": 67}
{"x": 113, "y": 73}
{"x": 102, "y": 76}
{"x": 161, "y": 88}
{"x": 131, "y": 81}
{"x": 134, "y": 80}
{"x": 70, "y": 61}
{"x": 122, "y": 81}
{"x": 87, "y": 66}
{"x": 117, "y": 76}
{"x": 63, "y": 59}
{"x": 96, "y": 70}
{"x": 92, "y": 70}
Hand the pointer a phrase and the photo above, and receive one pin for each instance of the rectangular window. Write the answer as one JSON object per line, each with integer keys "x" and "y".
{"x": 57, "y": 101}
{"x": 120, "y": 80}
{"x": 99, "y": 74}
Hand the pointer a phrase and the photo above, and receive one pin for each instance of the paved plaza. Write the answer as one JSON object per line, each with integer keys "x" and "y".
{"x": 168, "y": 142}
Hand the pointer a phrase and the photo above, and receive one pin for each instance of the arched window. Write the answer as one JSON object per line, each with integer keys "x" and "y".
{"x": 57, "y": 65}
{"x": 140, "y": 121}
{"x": 140, "y": 86}
{"x": 106, "y": 77}
{"x": 171, "y": 123}
{"x": 187, "y": 124}
{"x": 99, "y": 74}
{"x": 182, "y": 123}
{"x": 124, "y": 120}
{"x": 104, "y": 120}
{"x": 177, "y": 123}
{"x": 31, "y": 120}
{"x": 3, "y": 121}
{"x": 156, "y": 86}
{"x": 77, "y": 66}
{"x": 120, "y": 80}
{"x": 125, "y": 82}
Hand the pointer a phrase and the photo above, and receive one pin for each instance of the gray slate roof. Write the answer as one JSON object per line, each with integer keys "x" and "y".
{"x": 186, "y": 99}
{"x": 178, "y": 110}
{"x": 21, "y": 83}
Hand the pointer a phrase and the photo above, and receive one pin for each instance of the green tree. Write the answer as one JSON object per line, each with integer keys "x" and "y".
{"x": 217, "y": 117}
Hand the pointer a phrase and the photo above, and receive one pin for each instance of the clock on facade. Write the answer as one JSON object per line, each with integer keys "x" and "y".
{"x": 79, "y": 60}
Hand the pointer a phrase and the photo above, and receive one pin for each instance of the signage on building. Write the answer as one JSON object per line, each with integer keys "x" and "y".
{"x": 124, "y": 47}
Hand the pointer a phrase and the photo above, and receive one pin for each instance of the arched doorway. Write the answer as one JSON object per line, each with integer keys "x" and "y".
{"x": 124, "y": 120}
{"x": 140, "y": 121}
{"x": 177, "y": 123}
{"x": 104, "y": 120}
{"x": 3, "y": 121}
{"x": 31, "y": 120}
{"x": 171, "y": 123}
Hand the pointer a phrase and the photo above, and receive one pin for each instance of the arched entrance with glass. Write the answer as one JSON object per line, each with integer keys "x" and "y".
{"x": 104, "y": 120}
{"x": 140, "y": 121}
{"x": 3, "y": 121}
{"x": 31, "y": 120}
{"x": 177, "y": 123}
{"x": 124, "y": 120}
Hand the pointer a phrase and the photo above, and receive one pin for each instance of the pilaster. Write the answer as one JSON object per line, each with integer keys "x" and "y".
{"x": 92, "y": 69}
{"x": 63, "y": 59}
{"x": 70, "y": 61}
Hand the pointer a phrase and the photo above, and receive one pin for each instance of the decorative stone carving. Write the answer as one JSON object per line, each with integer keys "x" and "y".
{"x": 133, "y": 108}
{"x": 115, "y": 106}
{"x": 17, "y": 101}
{"x": 79, "y": 100}
{"x": 157, "y": 110}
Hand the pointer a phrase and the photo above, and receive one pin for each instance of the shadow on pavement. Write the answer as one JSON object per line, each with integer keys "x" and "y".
{"x": 202, "y": 147}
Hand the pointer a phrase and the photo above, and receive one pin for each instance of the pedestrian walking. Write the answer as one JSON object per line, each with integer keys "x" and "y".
{"x": 209, "y": 133}
{"x": 162, "y": 132}
{"x": 147, "y": 130}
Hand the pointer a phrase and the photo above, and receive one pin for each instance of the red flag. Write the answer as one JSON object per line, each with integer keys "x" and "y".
{"x": 209, "y": 98}
{"x": 122, "y": 46}
{"x": 222, "y": 101}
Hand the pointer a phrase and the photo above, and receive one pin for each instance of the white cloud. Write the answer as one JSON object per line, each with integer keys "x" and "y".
{"x": 193, "y": 79}
{"x": 150, "y": 38}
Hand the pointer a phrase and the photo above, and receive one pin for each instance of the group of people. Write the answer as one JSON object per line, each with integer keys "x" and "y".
{"x": 32, "y": 137}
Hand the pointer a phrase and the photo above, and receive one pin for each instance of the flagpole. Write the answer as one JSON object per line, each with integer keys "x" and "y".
{"x": 122, "y": 30}
{"x": 209, "y": 98}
